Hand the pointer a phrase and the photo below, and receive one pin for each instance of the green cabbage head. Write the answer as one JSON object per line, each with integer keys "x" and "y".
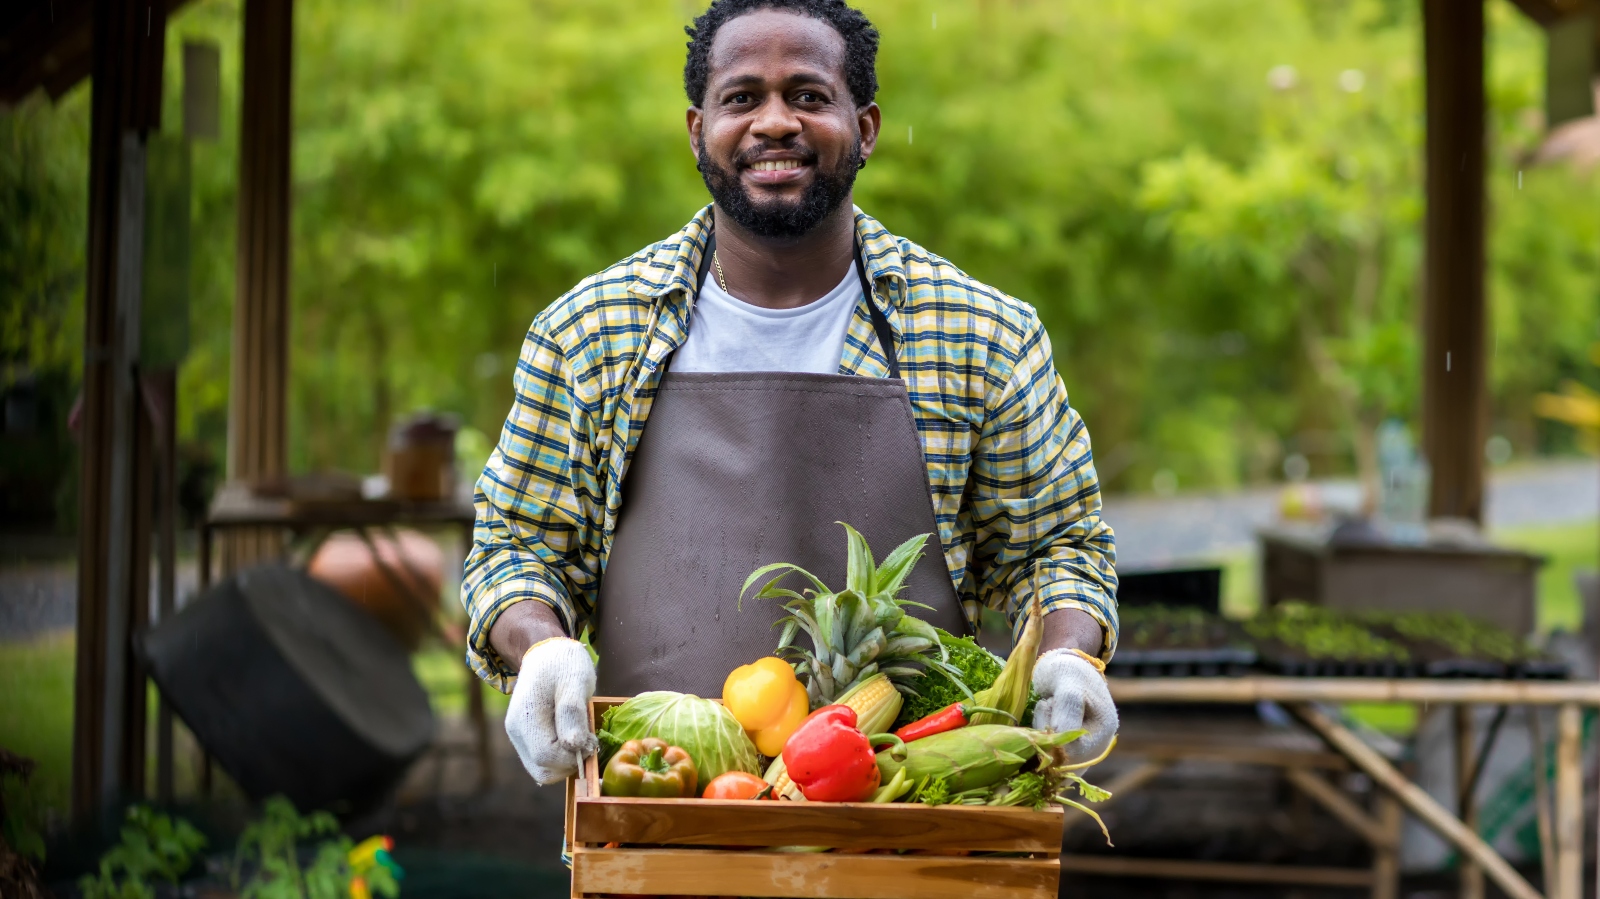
{"x": 704, "y": 729}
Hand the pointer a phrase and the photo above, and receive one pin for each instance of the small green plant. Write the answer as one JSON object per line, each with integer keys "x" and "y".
{"x": 1464, "y": 636}
{"x": 154, "y": 847}
{"x": 21, "y": 842}
{"x": 1324, "y": 634}
{"x": 269, "y": 850}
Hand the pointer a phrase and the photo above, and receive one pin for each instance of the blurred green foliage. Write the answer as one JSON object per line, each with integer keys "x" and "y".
{"x": 1215, "y": 206}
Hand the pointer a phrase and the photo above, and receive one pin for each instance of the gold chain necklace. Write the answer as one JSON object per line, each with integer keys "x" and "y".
{"x": 718, "y": 263}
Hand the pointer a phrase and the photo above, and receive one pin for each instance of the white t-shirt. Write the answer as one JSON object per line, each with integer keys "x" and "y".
{"x": 728, "y": 334}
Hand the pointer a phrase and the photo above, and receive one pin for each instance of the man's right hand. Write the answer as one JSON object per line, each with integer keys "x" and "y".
{"x": 548, "y": 719}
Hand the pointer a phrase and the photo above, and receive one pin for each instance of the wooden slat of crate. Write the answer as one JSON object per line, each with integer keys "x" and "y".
{"x": 825, "y": 876}
{"x": 711, "y": 822}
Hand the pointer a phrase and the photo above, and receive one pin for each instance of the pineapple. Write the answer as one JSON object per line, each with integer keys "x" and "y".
{"x": 860, "y": 631}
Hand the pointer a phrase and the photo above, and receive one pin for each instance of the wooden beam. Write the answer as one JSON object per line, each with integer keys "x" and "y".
{"x": 257, "y": 406}
{"x": 1455, "y": 408}
{"x": 1466, "y": 758}
{"x": 1339, "y": 805}
{"x": 125, "y": 106}
{"x": 1351, "y": 689}
{"x": 1236, "y": 753}
{"x": 1417, "y": 801}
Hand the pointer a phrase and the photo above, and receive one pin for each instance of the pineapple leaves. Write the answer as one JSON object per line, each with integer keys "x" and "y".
{"x": 786, "y": 569}
{"x": 791, "y": 629}
{"x": 858, "y": 631}
{"x": 897, "y": 565}
{"x": 859, "y": 569}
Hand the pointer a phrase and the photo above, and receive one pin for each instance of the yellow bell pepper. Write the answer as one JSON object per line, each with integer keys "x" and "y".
{"x": 768, "y": 701}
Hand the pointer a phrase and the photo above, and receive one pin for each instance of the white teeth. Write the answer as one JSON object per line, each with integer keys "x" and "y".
{"x": 776, "y": 165}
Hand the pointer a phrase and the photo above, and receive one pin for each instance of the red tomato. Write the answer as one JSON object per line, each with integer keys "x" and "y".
{"x": 737, "y": 785}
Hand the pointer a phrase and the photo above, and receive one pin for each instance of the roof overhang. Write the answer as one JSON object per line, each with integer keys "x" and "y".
{"x": 48, "y": 45}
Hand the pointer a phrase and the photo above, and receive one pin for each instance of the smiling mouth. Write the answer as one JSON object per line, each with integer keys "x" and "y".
{"x": 776, "y": 165}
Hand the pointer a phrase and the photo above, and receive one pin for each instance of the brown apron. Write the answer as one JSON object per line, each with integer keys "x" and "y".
{"x": 736, "y": 470}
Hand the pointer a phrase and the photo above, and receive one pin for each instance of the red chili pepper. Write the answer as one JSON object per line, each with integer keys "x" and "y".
{"x": 952, "y": 716}
{"x": 831, "y": 761}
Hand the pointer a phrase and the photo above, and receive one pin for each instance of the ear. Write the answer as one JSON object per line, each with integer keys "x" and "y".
{"x": 869, "y": 119}
{"x": 694, "y": 119}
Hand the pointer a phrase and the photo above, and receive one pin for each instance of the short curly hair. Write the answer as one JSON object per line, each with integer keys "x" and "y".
{"x": 860, "y": 42}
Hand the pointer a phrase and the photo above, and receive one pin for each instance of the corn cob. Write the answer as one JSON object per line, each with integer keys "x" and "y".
{"x": 876, "y": 703}
{"x": 978, "y": 755}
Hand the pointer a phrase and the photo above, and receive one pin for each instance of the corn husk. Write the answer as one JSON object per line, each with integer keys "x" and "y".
{"x": 978, "y": 755}
{"x": 1010, "y": 690}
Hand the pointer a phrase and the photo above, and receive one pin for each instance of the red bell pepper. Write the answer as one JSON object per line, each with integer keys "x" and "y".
{"x": 831, "y": 761}
{"x": 952, "y": 716}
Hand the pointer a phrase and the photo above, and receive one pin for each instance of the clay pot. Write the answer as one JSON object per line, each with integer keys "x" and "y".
{"x": 405, "y": 598}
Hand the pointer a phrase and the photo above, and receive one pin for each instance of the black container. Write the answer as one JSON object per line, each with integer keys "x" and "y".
{"x": 1227, "y": 661}
{"x": 293, "y": 689}
{"x": 1186, "y": 587}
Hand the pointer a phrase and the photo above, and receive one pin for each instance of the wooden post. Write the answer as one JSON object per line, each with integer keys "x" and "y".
{"x": 1466, "y": 802}
{"x": 1386, "y": 858}
{"x": 1569, "y": 804}
{"x": 164, "y": 386}
{"x": 126, "y": 104}
{"x": 1454, "y": 376}
{"x": 257, "y": 436}
{"x": 1541, "y": 802}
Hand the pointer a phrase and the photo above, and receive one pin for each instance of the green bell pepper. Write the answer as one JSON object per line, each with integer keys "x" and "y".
{"x": 650, "y": 769}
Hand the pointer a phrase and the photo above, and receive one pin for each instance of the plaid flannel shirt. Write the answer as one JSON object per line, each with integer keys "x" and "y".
{"x": 1014, "y": 486}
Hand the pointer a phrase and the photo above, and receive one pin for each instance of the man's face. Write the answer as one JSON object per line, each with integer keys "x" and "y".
{"x": 778, "y": 137}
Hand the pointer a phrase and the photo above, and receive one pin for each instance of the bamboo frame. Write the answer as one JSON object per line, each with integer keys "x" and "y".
{"x": 1564, "y": 860}
{"x": 1466, "y": 758}
{"x": 1352, "y": 689}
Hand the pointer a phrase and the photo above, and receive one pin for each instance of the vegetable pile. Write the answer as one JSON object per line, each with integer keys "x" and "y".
{"x": 821, "y": 718}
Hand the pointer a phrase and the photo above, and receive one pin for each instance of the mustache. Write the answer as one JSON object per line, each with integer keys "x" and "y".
{"x": 747, "y": 158}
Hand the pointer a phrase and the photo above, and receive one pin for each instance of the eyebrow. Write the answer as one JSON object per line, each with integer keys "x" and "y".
{"x": 801, "y": 77}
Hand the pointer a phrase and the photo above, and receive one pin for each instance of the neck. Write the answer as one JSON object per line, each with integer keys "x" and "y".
{"x": 786, "y": 273}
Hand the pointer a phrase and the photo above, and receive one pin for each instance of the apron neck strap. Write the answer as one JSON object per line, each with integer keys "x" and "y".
{"x": 880, "y": 322}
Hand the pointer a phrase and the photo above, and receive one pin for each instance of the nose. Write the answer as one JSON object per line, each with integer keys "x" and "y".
{"x": 775, "y": 121}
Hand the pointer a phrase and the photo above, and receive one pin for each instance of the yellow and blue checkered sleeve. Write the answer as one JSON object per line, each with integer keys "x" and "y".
{"x": 538, "y": 503}
{"x": 1035, "y": 498}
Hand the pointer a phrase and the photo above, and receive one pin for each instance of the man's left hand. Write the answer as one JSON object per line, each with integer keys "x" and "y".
{"x": 1073, "y": 695}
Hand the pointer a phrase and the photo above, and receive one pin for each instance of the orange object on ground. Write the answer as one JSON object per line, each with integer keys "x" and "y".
{"x": 402, "y": 592}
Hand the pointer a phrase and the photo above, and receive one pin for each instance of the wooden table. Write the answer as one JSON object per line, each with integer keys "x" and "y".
{"x": 308, "y": 524}
{"x": 1302, "y": 697}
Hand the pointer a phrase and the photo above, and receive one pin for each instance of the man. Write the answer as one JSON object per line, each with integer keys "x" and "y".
{"x": 720, "y": 399}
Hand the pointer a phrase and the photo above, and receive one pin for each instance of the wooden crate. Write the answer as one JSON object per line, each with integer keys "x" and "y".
{"x": 707, "y": 847}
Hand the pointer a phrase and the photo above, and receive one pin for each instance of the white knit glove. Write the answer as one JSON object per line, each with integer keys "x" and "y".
{"x": 1073, "y": 695}
{"x": 548, "y": 719}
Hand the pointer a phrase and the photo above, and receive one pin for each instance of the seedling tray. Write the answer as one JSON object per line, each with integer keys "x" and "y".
{"x": 1228, "y": 661}
{"x": 1280, "y": 658}
{"x": 711, "y": 847}
{"x": 1541, "y": 669}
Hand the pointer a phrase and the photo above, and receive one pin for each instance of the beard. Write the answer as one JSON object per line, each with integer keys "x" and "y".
{"x": 782, "y": 219}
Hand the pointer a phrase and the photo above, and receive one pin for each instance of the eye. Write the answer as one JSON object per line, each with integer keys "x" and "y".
{"x": 739, "y": 98}
{"x": 809, "y": 97}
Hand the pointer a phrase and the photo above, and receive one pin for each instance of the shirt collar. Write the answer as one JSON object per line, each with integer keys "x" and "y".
{"x": 674, "y": 262}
